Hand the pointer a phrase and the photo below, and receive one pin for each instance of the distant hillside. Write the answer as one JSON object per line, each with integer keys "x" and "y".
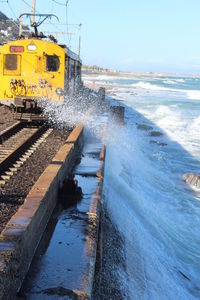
{"x": 97, "y": 69}
{"x": 9, "y": 29}
{"x": 3, "y": 17}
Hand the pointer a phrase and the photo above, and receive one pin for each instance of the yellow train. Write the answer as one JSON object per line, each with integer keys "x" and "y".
{"x": 32, "y": 69}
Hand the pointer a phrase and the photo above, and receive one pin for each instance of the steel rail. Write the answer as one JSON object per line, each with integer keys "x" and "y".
{"x": 15, "y": 154}
{"x": 11, "y": 130}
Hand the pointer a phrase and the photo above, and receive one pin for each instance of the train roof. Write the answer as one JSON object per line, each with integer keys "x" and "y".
{"x": 70, "y": 53}
{"x": 67, "y": 51}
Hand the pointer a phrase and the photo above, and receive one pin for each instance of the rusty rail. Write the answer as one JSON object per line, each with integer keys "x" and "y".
{"x": 11, "y": 130}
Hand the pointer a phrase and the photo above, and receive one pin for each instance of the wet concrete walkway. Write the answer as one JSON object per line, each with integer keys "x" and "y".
{"x": 61, "y": 268}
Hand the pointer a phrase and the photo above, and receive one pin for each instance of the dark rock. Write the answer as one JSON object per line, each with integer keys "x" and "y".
{"x": 184, "y": 275}
{"x": 192, "y": 179}
{"x": 156, "y": 133}
{"x": 70, "y": 193}
{"x": 153, "y": 142}
{"x": 61, "y": 291}
{"x": 144, "y": 127}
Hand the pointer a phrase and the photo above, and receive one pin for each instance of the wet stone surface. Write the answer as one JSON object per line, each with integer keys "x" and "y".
{"x": 110, "y": 259}
{"x": 60, "y": 267}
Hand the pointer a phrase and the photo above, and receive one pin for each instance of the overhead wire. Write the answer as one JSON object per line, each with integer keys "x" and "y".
{"x": 69, "y": 36}
{"x": 59, "y": 3}
{"x": 54, "y": 25}
{"x": 52, "y": 5}
{"x": 27, "y": 4}
{"x": 12, "y": 10}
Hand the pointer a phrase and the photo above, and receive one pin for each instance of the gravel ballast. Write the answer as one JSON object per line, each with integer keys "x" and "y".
{"x": 14, "y": 192}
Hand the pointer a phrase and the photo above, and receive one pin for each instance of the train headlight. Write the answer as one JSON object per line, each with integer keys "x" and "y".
{"x": 31, "y": 47}
{"x": 59, "y": 92}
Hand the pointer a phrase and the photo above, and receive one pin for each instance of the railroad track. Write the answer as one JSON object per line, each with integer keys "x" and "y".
{"x": 17, "y": 144}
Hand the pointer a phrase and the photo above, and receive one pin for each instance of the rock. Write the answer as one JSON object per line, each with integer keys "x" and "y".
{"x": 192, "y": 179}
{"x": 61, "y": 291}
{"x": 186, "y": 277}
{"x": 156, "y": 133}
{"x": 153, "y": 142}
{"x": 158, "y": 143}
{"x": 144, "y": 127}
{"x": 162, "y": 144}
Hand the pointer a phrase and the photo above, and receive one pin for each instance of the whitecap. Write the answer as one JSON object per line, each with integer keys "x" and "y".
{"x": 193, "y": 95}
{"x": 170, "y": 82}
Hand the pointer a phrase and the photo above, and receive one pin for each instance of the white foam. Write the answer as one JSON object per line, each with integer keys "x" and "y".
{"x": 190, "y": 94}
{"x": 153, "y": 87}
{"x": 193, "y": 95}
{"x": 169, "y": 82}
{"x": 196, "y": 124}
{"x": 180, "y": 80}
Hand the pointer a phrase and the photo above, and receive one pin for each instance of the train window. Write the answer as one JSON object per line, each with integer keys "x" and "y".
{"x": 10, "y": 62}
{"x": 53, "y": 63}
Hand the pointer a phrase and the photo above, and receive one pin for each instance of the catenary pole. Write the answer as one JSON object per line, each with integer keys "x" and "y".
{"x": 33, "y": 11}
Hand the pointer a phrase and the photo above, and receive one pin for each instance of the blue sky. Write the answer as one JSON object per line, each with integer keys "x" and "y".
{"x": 130, "y": 35}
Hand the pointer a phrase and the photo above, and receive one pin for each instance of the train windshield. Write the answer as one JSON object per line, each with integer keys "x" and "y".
{"x": 11, "y": 62}
{"x": 53, "y": 63}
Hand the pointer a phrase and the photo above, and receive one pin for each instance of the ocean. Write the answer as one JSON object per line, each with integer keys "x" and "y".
{"x": 155, "y": 211}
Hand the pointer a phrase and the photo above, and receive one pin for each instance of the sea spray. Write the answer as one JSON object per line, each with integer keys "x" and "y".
{"x": 156, "y": 213}
{"x": 72, "y": 110}
{"x": 141, "y": 200}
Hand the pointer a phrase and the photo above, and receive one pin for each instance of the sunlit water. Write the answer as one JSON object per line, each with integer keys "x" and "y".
{"x": 156, "y": 212}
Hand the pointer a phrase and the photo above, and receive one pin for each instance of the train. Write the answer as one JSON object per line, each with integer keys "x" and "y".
{"x": 32, "y": 69}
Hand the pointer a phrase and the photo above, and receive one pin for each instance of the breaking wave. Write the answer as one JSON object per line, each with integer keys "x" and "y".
{"x": 191, "y": 94}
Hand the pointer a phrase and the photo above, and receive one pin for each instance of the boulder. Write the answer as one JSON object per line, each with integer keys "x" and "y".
{"x": 144, "y": 127}
{"x": 192, "y": 179}
{"x": 156, "y": 133}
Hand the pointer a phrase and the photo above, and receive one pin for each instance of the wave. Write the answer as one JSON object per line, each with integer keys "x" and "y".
{"x": 159, "y": 211}
{"x": 170, "y": 82}
{"x": 180, "y": 80}
{"x": 191, "y": 94}
{"x": 149, "y": 86}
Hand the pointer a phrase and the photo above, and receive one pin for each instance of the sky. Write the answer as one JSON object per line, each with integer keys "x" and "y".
{"x": 128, "y": 35}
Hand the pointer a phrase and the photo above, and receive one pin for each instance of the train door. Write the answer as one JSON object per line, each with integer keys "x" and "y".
{"x": 53, "y": 84}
